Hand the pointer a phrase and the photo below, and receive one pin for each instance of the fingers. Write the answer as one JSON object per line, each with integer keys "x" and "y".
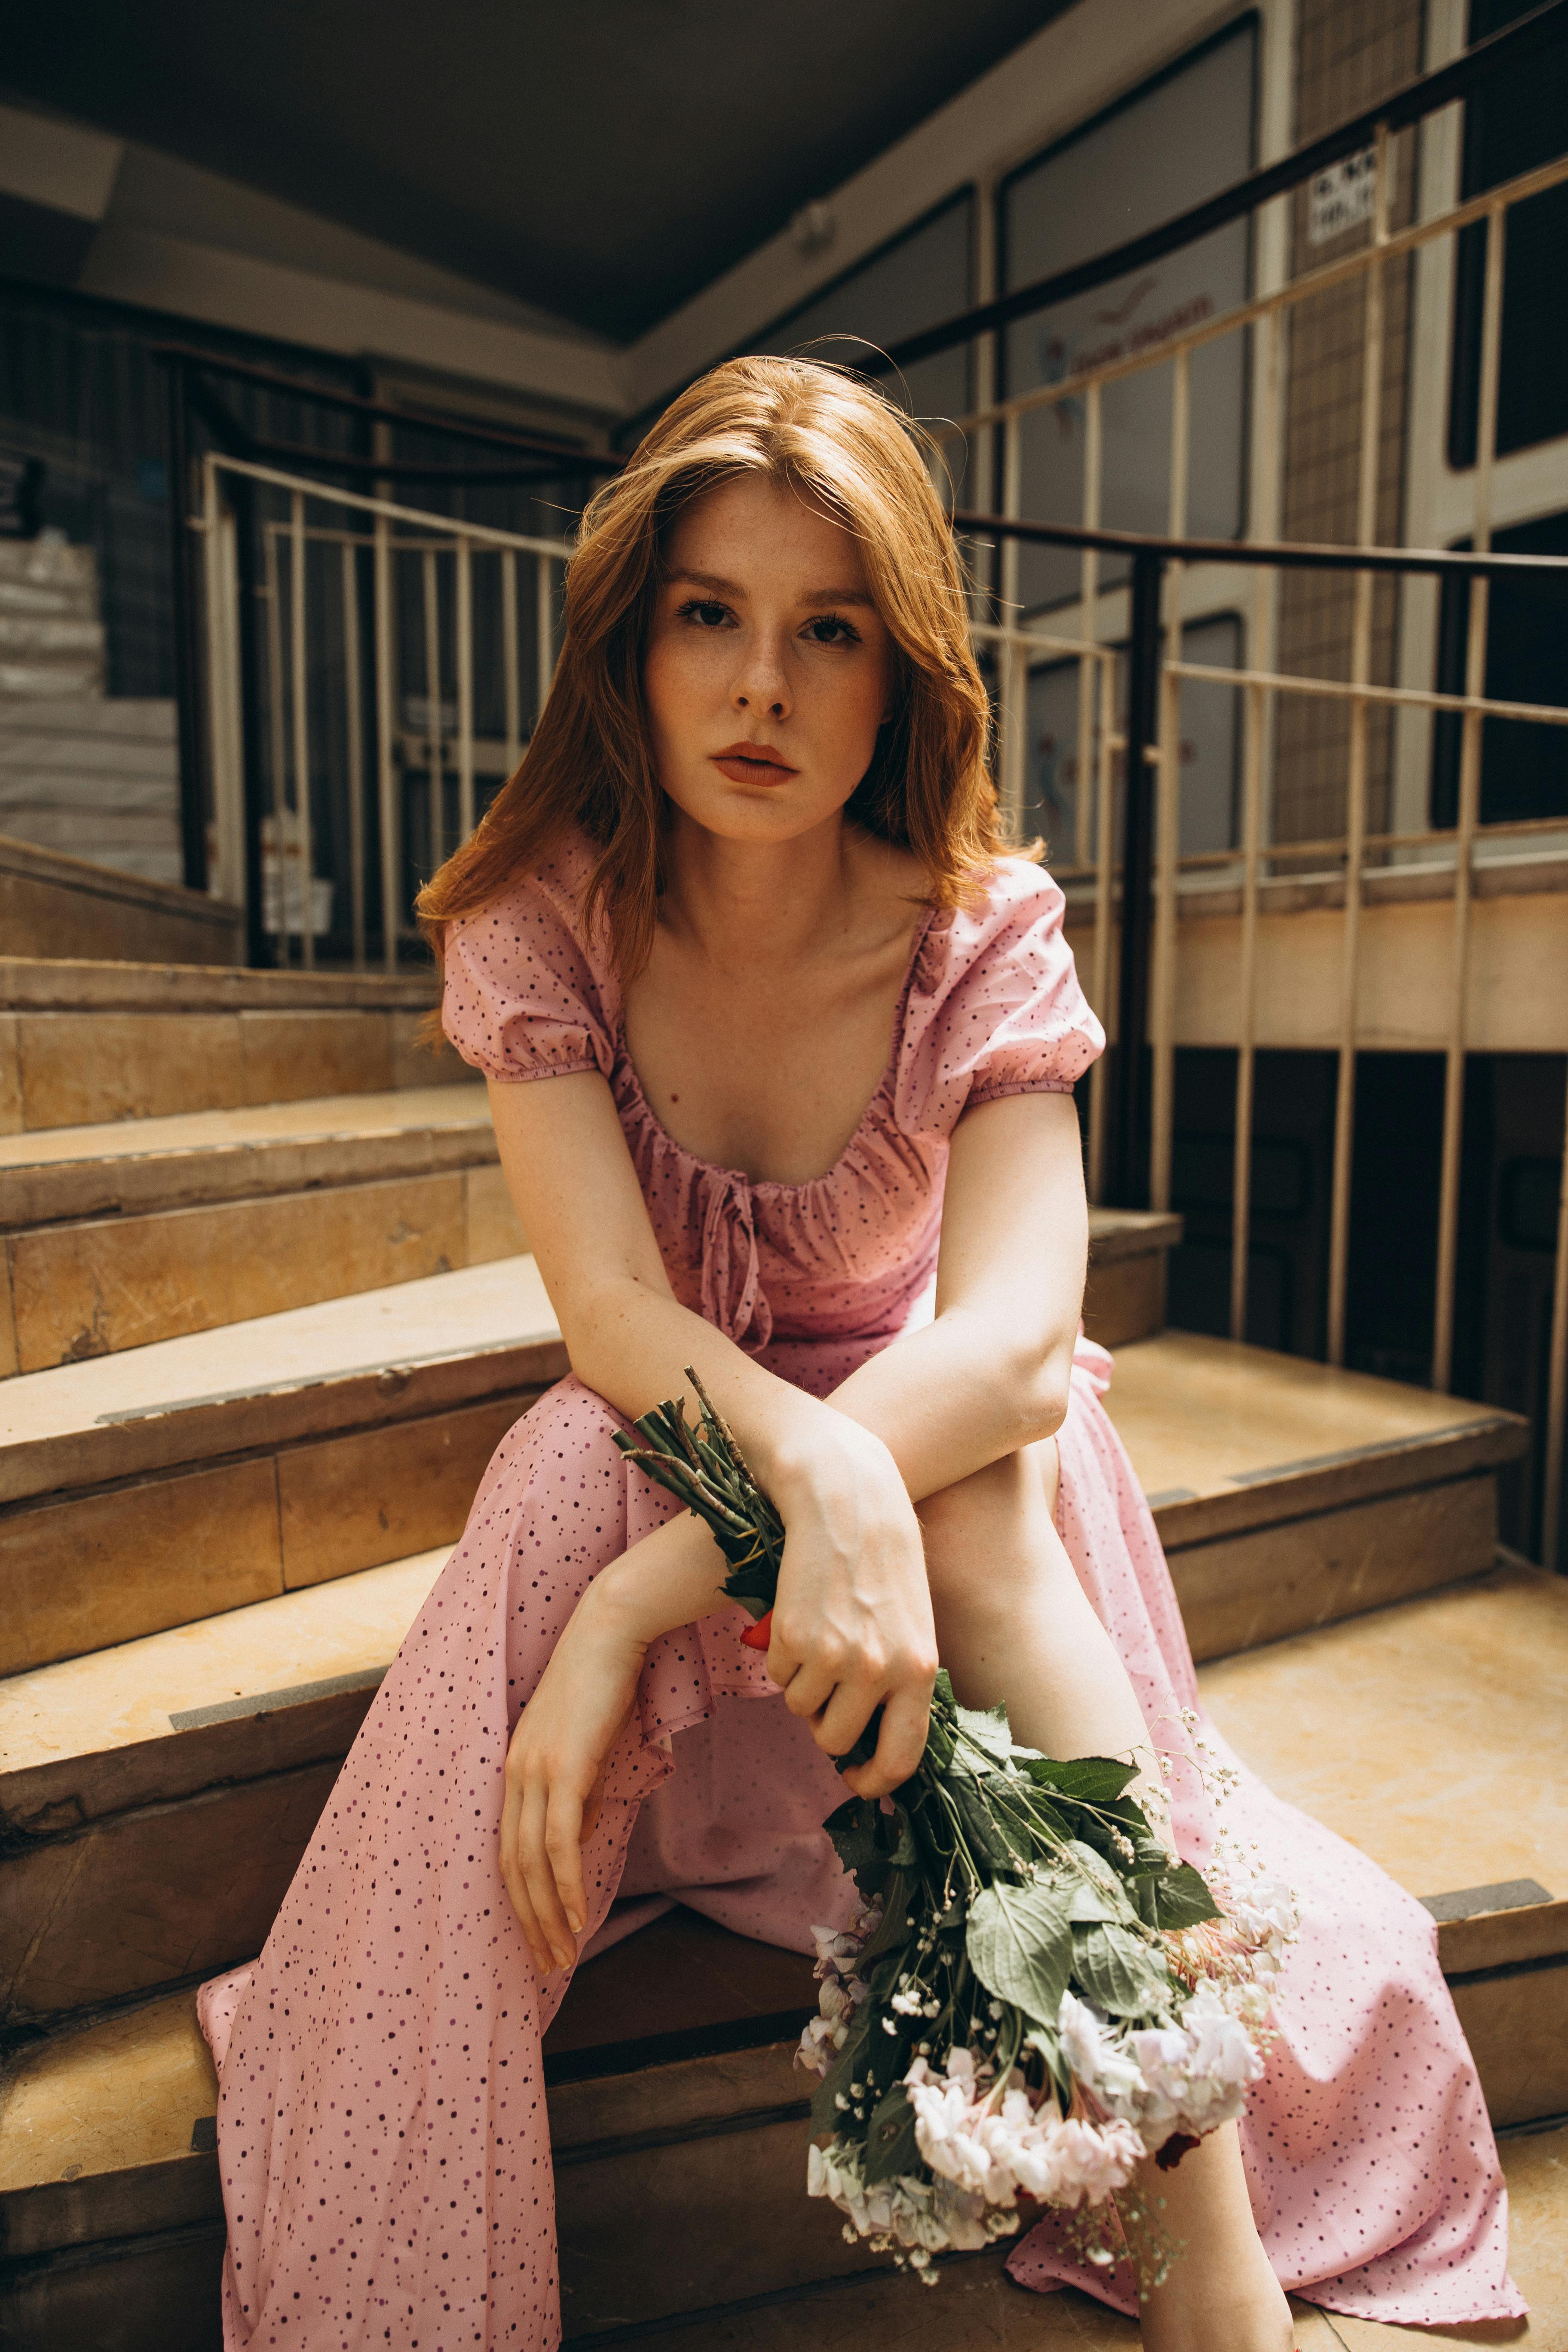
{"x": 551, "y": 1815}
{"x": 900, "y": 1743}
{"x": 513, "y": 1874}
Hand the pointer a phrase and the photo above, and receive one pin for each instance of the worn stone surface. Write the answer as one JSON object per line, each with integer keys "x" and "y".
{"x": 86, "y": 1570}
{"x": 379, "y": 1493}
{"x": 120, "y": 1282}
{"x": 81, "y": 1067}
{"x": 1124, "y": 1298}
{"x": 145, "y": 1898}
{"x": 11, "y": 1120}
{"x": 1516, "y": 2023}
{"x": 1421, "y": 1732}
{"x": 287, "y": 1055}
{"x": 1277, "y": 1581}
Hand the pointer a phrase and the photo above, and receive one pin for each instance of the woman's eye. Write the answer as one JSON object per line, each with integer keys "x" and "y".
{"x": 705, "y": 612}
{"x": 828, "y": 629}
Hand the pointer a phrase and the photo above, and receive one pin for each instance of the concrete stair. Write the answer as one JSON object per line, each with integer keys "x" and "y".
{"x": 83, "y": 1043}
{"x": 229, "y": 1476}
{"x": 119, "y": 1235}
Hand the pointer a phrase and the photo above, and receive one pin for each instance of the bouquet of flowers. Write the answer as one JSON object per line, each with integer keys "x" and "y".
{"x": 1036, "y": 1994}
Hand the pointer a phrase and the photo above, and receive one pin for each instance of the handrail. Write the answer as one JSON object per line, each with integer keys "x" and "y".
{"x": 498, "y": 436}
{"x": 1305, "y": 555}
{"x": 1515, "y": 45}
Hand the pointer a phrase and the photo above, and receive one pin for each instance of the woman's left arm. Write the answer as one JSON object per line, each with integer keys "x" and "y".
{"x": 991, "y": 1373}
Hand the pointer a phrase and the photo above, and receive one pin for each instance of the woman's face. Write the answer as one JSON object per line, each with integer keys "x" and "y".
{"x": 768, "y": 670}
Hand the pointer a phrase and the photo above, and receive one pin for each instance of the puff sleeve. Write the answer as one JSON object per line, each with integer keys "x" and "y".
{"x": 995, "y": 1008}
{"x": 524, "y": 996}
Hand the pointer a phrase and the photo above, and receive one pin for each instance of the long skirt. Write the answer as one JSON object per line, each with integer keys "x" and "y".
{"x": 383, "y": 2136}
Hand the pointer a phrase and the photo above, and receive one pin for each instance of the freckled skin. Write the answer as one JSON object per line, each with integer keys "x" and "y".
{"x": 381, "y": 2129}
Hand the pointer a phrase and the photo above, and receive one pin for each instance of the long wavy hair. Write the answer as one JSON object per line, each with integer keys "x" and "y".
{"x": 834, "y": 440}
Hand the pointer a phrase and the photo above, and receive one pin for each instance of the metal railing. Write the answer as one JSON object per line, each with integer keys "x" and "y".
{"x": 350, "y": 587}
{"x": 1136, "y": 868}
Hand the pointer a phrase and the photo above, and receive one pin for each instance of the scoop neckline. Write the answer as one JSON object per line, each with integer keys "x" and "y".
{"x": 773, "y": 1184}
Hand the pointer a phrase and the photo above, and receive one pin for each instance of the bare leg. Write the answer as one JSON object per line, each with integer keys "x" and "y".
{"x": 1014, "y": 1625}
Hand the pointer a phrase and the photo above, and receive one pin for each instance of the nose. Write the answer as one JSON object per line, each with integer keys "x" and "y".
{"x": 760, "y": 681}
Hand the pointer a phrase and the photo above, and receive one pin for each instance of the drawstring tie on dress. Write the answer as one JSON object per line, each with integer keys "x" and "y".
{"x": 733, "y": 1299}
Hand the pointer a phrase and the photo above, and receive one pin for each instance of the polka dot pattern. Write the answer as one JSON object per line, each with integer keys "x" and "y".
{"x": 383, "y": 2136}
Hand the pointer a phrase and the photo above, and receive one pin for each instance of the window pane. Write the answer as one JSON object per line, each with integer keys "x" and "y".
{"x": 1514, "y": 123}
{"x": 1184, "y": 138}
{"x": 916, "y": 282}
{"x": 1524, "y": 765}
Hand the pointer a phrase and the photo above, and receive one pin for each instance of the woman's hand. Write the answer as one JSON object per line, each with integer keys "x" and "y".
{"x": 852, "y": 1627}
{"x": 555, "y": 1775}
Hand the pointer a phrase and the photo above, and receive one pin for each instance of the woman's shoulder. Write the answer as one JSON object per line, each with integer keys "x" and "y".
{"x": 528, "y": 989}
{"x": 1012, "y": 910}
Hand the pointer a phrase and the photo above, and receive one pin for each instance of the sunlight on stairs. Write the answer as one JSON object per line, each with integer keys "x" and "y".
{"x": 265, "y": 1315}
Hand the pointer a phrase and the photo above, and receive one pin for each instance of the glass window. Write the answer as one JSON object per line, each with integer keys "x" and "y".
{"x": 1172, "y": 144}
{"x": 1524, "y": 765}
{"x": 924, "y": 276}
{"x": 1210, "y": 758}
{"x": 1515, "y": 121}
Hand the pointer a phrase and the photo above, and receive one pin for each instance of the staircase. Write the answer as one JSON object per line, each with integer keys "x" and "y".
{"x": 266, "y": 1314}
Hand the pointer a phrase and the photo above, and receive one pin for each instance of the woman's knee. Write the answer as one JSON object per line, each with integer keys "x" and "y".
{"x": 987, "y": 1537}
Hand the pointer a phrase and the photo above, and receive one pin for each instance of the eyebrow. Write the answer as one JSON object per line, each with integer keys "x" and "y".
{"x": 731, "y": 588}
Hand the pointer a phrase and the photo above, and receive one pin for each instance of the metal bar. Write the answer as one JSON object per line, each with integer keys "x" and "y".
{"x": 1241, "y": 1180}
{"x": 1557, "y": 1374}
{"x": 299, "y": 680}
{"x": 1258, "y": 307}
{"x": 187, "y": 637}
{"x": 464, "y": 690}
{"x": 1423, "y": 96}
{"x": 436, "y": 829}
{"x": 1356, "y": 777}
{"x": 1105, "y": 814}
{"x": 354, "y": 712}
{"x": 1129, "y": 1183}
{"x": 482, "y": 534}
{"x": 250, "y": 596}
{"x": 1469, "y": 815}
{"x": 276, "y": 728}
{"x": 1168, "y": 784}
{"x": 576, "y": 458}
{"x": 1014, "y": 682}
{"x": 386, "y": 736}
{"x": 1088, "y": 601}
{"x": 1285, "y": 555}
{"x": 1417, "y": 698}
{"x": 510, "y": 659}
{"x": 227, "y": 869}
{"x": 544, "y": 634}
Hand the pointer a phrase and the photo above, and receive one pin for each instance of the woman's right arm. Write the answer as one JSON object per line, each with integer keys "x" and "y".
{"x": 839, "y": 1489}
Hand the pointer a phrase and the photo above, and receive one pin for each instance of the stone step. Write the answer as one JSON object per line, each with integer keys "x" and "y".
{"x": 1423, "y": 1734}
{"x": 84, "y": 1043}
{"x": 112, "y": 2223}
{"x": 158, "y": 1486}
{"x": 57, "y": 907}
{"x": 1288, "y": 1494}
{"x": 119, "y": 1235}
{"x": 234, "y": 1439}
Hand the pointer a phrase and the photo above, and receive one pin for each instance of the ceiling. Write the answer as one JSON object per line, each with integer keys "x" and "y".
{"x": 599, "y": 160}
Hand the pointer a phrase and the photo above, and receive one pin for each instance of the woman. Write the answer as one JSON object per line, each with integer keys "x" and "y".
{"x": 752, "y": 842}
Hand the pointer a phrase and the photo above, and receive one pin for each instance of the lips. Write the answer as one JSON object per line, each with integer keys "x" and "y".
{"x": 754, "y": 763}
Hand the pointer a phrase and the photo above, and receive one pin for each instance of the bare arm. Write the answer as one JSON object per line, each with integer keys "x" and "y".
{"x": 852, "y": 1629}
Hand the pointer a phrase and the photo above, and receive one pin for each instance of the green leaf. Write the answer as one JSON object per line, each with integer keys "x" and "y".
{"x": 988, "y": 1727}
{"x": 1090, "y": 1780}
{"x": 987, "y": 1842}
{"x": 890, "y": 2144}
{"x": 852, "y": 1826}
{"x": 1020, "y": 1946}
{"x": 1115, "y": 1971}
{"x": 1179, "y": 1898}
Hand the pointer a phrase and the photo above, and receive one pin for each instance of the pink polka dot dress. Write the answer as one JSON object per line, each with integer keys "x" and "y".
{"x": 381, "y": 2129}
